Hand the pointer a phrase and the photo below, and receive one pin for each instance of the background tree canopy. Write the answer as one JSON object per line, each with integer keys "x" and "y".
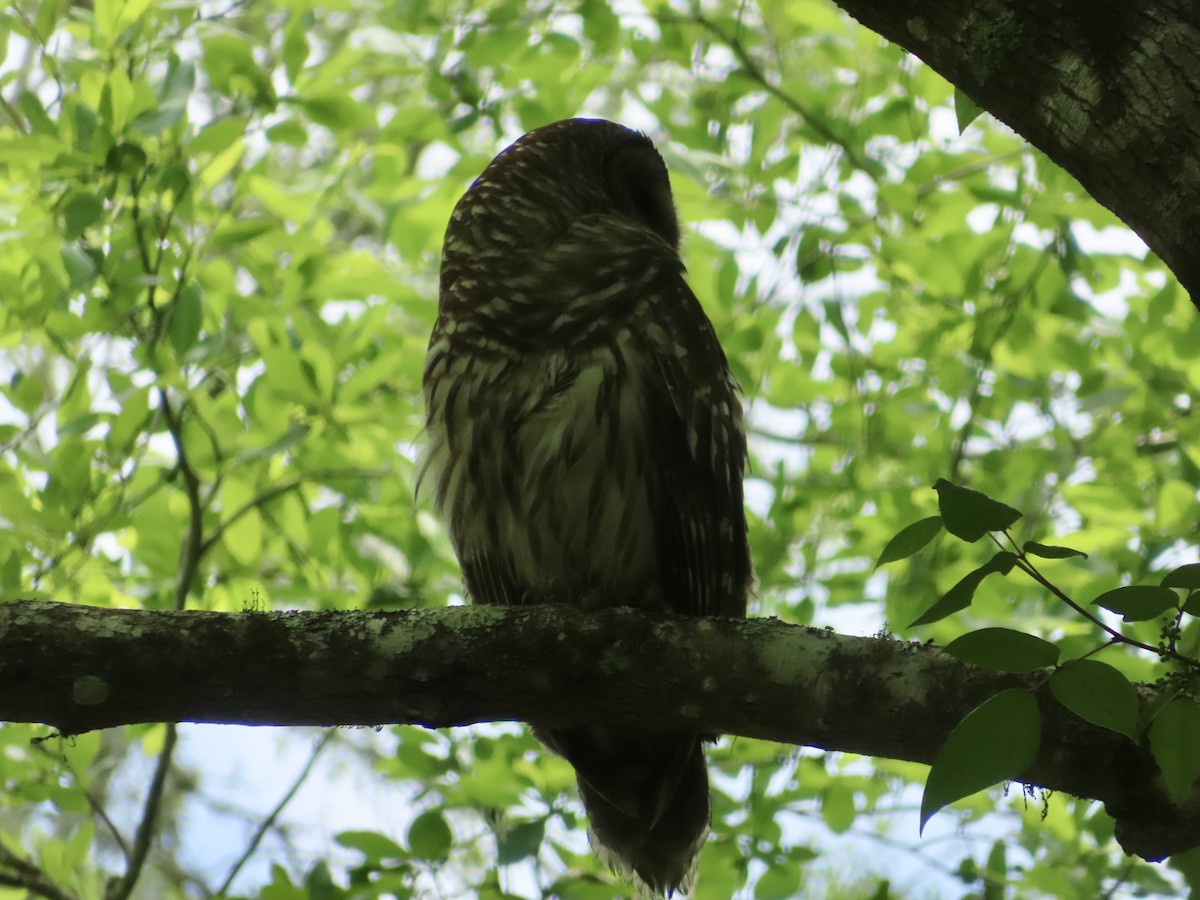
{"x": 219, "y": 237}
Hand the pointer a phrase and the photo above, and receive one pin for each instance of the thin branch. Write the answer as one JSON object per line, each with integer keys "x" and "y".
{"x": 191, "y": 552}
{"x": 1024, "y": 564}
{"x": 755, "y": 73}
{"x": 269, "y": 821}
{"x": 30, "y": 878}
{"x": 123, "y": 887}
{"x": 278, "y": 490}
{"x": 189, "y": 563}
{"x": 93, "y": 801}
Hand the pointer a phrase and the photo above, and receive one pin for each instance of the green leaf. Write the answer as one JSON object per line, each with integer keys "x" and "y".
{"x": 81, "y": 267}
{"x": 232, "y": 70}
{"x": 1138, "y": 602}
{"x": 295, "y": 46}
{"x": 217, "y": 137}
{"x": 243, "y": 536}
{"x": 910, "y": 540}
{"x": 1186, "y": 577}
{"x": 27, "y": 392}
{"x": 780, "y": 882}
{"x": 172, "y": 95}
{"x": 35, "y": 114}
{"x": 338, "y": 111}
{"x": 1157, "y": 705}
{"x": 1049, "y": 551}
{"x": 968, "y": 514}
{"x": 374, "y": 846}
{"x": 187, "y": 314}
{"x": 429, "y": 836}
{"x": 997, "y": 741}
{"x": 1003, "y": 649}
{"x": 995, "y": 876}
{"x": 126, "y": 159}
{"x": 80, "y": 210}
{"x": 1175, "y": 743}
{"x": 1097, "y": 693}
{"x": 232, "y": 234}
{"x": 29, "y": 148}
{"x": 960, "y": 596}
{"x": 135, "y": 409}
{"x": 966, "y": 110}
{"x": 289, "y": 131}
{"x": 520, "y": 842}
{"x": 837, "y": 807}
{"x": 600, "y": 24}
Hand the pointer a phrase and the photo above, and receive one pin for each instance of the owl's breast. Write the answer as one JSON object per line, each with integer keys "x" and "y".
{"x": 552, "y": 474}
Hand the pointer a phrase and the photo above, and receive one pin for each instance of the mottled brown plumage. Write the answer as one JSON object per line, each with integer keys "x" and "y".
{"x": 585, "y": 441}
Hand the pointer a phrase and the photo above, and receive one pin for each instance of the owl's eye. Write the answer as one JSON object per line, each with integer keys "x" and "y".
{"x": 639, "y": 188}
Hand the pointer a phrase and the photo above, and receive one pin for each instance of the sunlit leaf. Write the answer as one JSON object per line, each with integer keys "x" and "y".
{"x": 966, "y": 110}
{"x": 187, "y": 314}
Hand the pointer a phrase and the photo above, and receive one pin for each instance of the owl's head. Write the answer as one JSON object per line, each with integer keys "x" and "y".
{"x": 553, "y": 176}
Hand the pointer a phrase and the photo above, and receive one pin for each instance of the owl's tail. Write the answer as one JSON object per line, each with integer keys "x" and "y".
{"x": 646, "y": 796}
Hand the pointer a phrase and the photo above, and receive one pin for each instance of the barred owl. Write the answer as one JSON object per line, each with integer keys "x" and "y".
{"x": 585, "y": 442}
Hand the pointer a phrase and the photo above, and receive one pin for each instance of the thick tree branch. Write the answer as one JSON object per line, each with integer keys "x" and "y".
{"x": 79, "y": 668}
{"x": 1106, "y": 88}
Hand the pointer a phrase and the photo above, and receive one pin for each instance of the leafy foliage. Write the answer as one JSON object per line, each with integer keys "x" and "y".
{"x": 220, "y": 227}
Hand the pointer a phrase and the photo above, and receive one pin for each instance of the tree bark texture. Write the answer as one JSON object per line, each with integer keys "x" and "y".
{"x": 78, "y": 668}
{"x": 1108, "y": 89}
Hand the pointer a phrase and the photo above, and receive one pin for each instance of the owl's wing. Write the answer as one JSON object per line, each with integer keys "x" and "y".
{"x": 697, "y": 454}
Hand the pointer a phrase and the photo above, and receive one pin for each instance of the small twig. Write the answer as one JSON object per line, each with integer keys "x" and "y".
{"x": 1024, "y": 564}
{"x": 266, "y": 824}
{"x": 93, "y": 801}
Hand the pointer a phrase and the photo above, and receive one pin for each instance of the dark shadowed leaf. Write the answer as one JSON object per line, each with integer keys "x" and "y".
{"x": 1049, "y": 551}
{"x": 1138, "y": 602}
{"x": 997, "y": 741}
{"x": 1175, "y": 742}
{"x": 968, "y": 514}
{"x": 1097, "y": 693}
{"x": 520, "y": 842}
{"x": 1186, "y": 577}
{"x": 910, "y": 540}
{"x": 1157, "y": 705}
{"x": 1003, "y": 649}
{"x": 959, "y": 596}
